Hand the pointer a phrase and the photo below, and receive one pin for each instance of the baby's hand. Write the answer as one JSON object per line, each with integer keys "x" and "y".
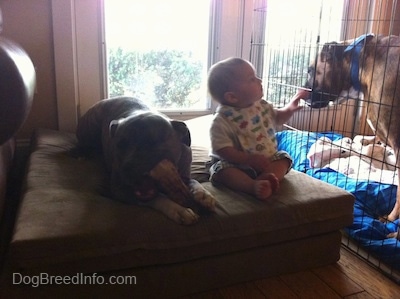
{"x": 295, "y": 101}
{"x": 258, "y": 162}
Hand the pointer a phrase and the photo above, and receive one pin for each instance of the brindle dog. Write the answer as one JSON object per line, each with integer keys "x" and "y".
{"x": 147, "y": 155}
{"x": 371, "y": 65}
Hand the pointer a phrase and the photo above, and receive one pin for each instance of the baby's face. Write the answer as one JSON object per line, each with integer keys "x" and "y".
{"x": 248, "y": 87}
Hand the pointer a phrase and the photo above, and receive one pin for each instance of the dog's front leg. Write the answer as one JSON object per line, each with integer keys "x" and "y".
{"x": 393, "y": 216}
{"x": 174, "y": 211}
{"x": 202, "y": 196}
{"x": 160, "y": 202}
{"x": 395, "y": 213}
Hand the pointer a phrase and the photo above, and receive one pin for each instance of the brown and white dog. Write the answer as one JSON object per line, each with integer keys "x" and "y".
{"x": 371, "y": 65}
{"x": 147, "y": 155}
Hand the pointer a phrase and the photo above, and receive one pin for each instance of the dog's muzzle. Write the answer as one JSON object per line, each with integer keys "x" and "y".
{"x": 319, "y": 99}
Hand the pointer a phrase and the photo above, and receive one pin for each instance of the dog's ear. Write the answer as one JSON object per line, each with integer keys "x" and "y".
{"x": 332, "y": 51}
{"x": 183, "y": 131}
{"x": 113, "y": 127}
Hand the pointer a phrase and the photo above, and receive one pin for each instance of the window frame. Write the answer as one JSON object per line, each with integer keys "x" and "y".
{"x": 79, "y": 52}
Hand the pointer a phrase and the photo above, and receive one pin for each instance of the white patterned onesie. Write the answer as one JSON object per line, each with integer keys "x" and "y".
{"x": 251, "y": 130}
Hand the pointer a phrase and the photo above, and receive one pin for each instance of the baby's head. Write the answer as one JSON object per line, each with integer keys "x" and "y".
{"x": 225, "y": 77}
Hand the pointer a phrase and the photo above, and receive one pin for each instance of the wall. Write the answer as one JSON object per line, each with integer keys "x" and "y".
{"x": 29, "y": 24}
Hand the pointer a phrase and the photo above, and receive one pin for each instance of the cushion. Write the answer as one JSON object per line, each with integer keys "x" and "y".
{"x": 68, "y": 224}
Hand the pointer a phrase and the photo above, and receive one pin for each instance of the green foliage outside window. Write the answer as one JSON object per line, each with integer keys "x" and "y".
{"x": 164, "y": 79}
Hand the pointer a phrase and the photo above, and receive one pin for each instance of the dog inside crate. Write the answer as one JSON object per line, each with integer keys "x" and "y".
{"x": 347, "y": 53}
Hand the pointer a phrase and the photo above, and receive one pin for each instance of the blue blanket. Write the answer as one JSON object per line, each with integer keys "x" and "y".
{"x": 372, "y": 199}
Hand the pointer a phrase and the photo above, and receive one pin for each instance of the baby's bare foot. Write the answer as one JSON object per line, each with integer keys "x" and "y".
{"x": 272, "y": 179}
{"x": 262, "y": 189}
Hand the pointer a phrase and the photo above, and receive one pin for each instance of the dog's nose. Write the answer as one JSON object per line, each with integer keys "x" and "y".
{"x": 307, "y": 86}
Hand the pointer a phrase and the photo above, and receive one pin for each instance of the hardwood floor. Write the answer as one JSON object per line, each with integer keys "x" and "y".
{"x": 350, "y": 278}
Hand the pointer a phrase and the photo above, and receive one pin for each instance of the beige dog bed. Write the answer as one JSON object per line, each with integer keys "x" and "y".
{"x": 66, "y": 226}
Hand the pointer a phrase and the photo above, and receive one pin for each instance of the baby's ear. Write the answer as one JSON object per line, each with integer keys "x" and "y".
{"x": 230, "y": 98}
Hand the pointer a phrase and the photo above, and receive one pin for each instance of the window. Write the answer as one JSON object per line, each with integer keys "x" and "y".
{"x": 80, "y": 55}
{"x": 158, "y": 51}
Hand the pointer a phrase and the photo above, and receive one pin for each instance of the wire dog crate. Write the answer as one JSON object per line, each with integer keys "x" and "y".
{"x": 334, "y": 140}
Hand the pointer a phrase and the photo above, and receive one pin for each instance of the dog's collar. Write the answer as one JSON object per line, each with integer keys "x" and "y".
{"x": 355, "y": 47}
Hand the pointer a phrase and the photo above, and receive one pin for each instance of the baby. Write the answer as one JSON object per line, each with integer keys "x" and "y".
{"x": 243, "y": 143}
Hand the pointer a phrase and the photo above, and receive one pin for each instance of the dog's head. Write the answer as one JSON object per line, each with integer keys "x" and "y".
{"x": 328, "y": 75}
{"x": 141, "y": 141}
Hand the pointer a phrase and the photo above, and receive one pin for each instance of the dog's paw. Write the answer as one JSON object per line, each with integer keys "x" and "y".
{"x": 204, "y": 198}
{"x": 185, "y": 216}
{"x": 174, "y": 211}
{"x": 167, "y": 177}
